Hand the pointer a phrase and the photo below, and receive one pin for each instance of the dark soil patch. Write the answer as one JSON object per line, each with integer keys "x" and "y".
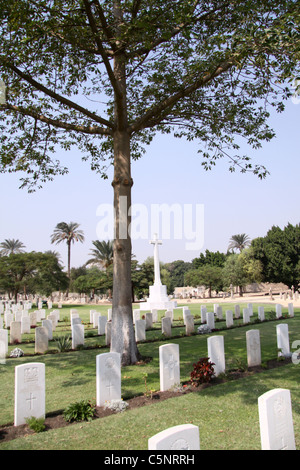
{"x": 56, "y": 420}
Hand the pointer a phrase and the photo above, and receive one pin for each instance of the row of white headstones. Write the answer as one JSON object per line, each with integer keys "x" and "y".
{"x": 275, "y": 411}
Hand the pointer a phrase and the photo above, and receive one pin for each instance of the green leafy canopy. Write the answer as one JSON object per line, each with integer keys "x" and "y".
{"x": 205, "y": 70}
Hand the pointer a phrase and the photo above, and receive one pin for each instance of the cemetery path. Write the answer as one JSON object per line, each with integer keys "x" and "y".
{"x": 56, "y": 419}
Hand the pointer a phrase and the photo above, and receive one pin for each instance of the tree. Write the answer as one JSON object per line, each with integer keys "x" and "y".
{"x": 106, "y": 76}
{"x": 208, "y": 276}
{"x": 102, "y": 253}
{"x": 10, "y": 246}
{"x": 213, "y": 258}
{"x": 239, "y": 242}
{"x": 68, "y": 233}
{"x": 279, "y": 254}
{"x": 24, "y": 273}
{"x": 241, "y": 269}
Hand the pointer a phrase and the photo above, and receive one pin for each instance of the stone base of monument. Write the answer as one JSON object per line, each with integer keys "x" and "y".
{"x": 158, "y": 299}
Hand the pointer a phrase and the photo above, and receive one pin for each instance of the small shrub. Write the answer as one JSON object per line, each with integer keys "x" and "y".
{"x": 79, "y": 411}
{"x": 203, "y": 372}
{"x": 64, "y": 343}
{"x": 36, "y": 424}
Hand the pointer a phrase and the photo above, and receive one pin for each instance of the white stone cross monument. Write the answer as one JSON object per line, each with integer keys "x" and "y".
{"x": 158, "y": 298}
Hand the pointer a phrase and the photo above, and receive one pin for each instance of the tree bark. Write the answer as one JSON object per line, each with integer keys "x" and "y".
{"x": 122, "y": 335}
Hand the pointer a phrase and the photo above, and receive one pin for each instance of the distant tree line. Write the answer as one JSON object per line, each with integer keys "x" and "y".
{"x": 273, "y": 258}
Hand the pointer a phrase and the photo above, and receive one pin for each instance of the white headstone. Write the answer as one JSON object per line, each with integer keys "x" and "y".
{"x": 29, "y": 392}
{"x": 154, "y": 312}
{"x": 250, "y": 308}
{"x": 182, "y": 437}
{"x": 276, "y": 420}
{"x": 108, "y": 377}
{"x": 25, "y": 325}
{"x": 246, "y": 315}
{"x": 102, "y": 320}
{"x": 108, "y": 333}
{"x": 261, "y": 313}
{"x": 41, "y": 339}
{"x": 291, "y": 309}
{"x": 219, "y": 312}
{"x": 149, "y": 320}
{"x": 4, "y": 340}
{"x": 169, "y": 366}
{"x": 210, "y": 320}
{"x": 203, "y": 313}
{"x": 253, "y": 348}
{"x": 189, "y": 324}
{"x": 136, "y": 315}
{"x": 96, "y": 315}
{"x": 77, "y": 335}
{"x": 237, "y": 311}
{"x": 15, "y": 332}
{"x": 283, "y": 342}
{"x": 48, "y": 325}
{"x": 216, "y": 354}
{"x": 140, "y": 330}
{"x": 278, "y": 311}
{"x": 229, "y": 318}
{"x": 166, "y": 326}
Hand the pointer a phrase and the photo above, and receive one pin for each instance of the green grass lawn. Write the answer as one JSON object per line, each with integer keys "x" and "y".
{"x": 226, "y": 414}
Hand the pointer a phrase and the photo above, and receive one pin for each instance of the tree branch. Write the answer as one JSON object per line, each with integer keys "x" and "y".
{"x": 168, "y": 103}
{"x": 56, "y": 96}
{"x": 56, "y": 122}
{"x": 107, "y": 31}
{"x": 103, "y": 54}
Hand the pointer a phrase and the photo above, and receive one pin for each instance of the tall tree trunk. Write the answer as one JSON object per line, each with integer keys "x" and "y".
{"x": 69, "y": 265}
{"x": 123, "y": 335}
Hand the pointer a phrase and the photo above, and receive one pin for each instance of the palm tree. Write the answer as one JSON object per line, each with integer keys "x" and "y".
{"x": 102, "y": 253}
{"x": 70, "y": 234}
{"x": 11, "y": 246}
{"x": 239, "y": 242}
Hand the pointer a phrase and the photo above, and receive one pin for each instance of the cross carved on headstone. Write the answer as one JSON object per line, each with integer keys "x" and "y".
{"x": 170, "y": 365}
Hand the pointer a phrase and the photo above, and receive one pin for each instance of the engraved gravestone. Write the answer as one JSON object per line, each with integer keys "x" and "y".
{"x": 181, "y": 437}
{"x": 253, "y": 348}
{"x": 210, "y": 320}
{"x": 149, "y": 320}
{"x": 48, "y": 325}
{"x": 77, "y": 335}
{"x": 169, "y": 366}
{"x": 229, "y": 318}
{"x": 283, "y": 343}
{"x": 261, "y": 313}
{"x": 278, "y": 311}
{"x": 108, "y": 377}
{"x": 4, "y": 340}
{"x": 41, "y": 339}
{"x": 291, "y": 309}
{"x": 215, "y": 346}
{"x": 166, "y": 326}
{"x": 246, "y": 315}
{"x": 189, "y": 324}
{"x": 15, "y": 332}
{"x": 102, "y": 320}
{"x": 203, "y": 313}
{"x": 140, "y": 330}
{"x": 25, "y": 325}
{"x": 237, "y": 311}
{"x": 29, "y": 392}
{"x": 276, "y": 420}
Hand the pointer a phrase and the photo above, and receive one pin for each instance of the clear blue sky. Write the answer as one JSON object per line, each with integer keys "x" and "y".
{"x": 169, "y": 173}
